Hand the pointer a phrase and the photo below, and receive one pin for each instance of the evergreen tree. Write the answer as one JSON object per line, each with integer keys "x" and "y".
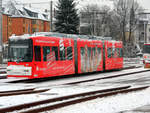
{"x": 67, "y": 20}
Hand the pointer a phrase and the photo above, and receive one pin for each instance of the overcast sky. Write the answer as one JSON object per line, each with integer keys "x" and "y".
{"x": 144, "y": 3}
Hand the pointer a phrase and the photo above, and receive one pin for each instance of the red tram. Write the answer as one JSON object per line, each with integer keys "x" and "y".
{"x": 52, "y": 55}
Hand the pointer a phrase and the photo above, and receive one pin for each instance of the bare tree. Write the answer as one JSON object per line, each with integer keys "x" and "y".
{"x": 121, "y": 10}
{"x": 134, "y": 10}
{"x": 126, "y": 12}
{"x": 96, "y": 19}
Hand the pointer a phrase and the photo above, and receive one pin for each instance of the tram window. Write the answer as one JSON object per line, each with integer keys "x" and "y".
{"x": 46, "y": 52}
{"x": 99, "y": 50}
{"x": 69, "y": 53}
{"x": 121, "y": 52}
{"x": 113, "y": 52}
{"x": 118, "y": 52}
{"x": 89, "y": 52}
{"x": 98, "y": 55}
{"x": 37, "y": 53}
{"x": 82, "y": 50}
{"x": 83, "y": 59}
{"x": 93, "y": 52}
{"x": 55, "y": 49}
{"x": 62, "y": 53}
{"x": 109, "y": 54}
{"x": 82, "y": 54}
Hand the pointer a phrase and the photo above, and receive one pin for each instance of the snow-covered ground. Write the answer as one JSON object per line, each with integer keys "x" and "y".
{"x": 57, "y": 82}
{"x": 113, "y": 104}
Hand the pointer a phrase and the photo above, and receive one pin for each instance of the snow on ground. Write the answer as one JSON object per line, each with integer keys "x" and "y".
{"x": 20, "y": 99}
{"x": 9, "y": 87}
{"x": 57, "y": 82}
{"x": 63, "y": 90}
{"x": 55, "y": 92}
{"x": 113, "y": 104}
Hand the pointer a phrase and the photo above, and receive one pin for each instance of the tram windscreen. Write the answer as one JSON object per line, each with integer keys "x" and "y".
{"x": 146, "y": 49}
{"x": 20, "y": 51}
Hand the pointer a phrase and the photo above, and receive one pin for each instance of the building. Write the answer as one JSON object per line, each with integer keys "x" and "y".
{"x": 19, "y": 20}
{"x": 143, "y": 31}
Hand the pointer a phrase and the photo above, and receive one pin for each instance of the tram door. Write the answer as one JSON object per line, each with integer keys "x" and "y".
{"x": 108, "y": 55}
{"x": 37, "y": 62}
{"x": 66, "y": 60}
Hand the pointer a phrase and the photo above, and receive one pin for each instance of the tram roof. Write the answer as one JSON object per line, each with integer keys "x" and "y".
{"x": 60, "y": 35}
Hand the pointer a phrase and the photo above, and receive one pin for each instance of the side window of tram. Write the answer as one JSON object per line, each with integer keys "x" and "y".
{"x": 89, "y": 53}
{"x": 109, "y": 52}
{"x": 37, "y": 53}
{"x": 118, "y": 52}
{"x": 69, "y": 53}
{"x": 113, "y": 52}
{"x": 93, "y": 52}
{"x": 62, "y": 53}
{"x": 46, "y": 52}
{"x": 55, "y": 50}
{"x": 99, "y": 54}
{"x": 121, "y": 52}
{"x": 99, "y": 51}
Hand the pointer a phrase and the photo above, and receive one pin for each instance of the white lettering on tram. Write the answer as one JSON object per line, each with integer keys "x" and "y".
{"x": 42, "y": 41}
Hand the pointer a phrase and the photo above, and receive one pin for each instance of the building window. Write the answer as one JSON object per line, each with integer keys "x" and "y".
{"x": 33, "y": 21}
{"x": 33, "y": 30}
{"x": 24, "y": 21}
{"x": 23, "y": 29}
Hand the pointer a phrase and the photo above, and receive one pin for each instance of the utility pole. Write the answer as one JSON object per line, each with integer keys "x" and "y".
{"x": 1, "y": 43}
{"x": 51, "y": 16}
{"x": 145, "y": 33}
{"x": 95, "y": 24}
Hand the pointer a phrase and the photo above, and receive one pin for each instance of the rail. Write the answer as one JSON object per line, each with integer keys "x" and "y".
{"x": 68, "y": 100}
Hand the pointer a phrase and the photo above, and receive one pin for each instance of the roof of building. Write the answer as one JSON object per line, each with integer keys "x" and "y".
{"x": 18, "y": 10}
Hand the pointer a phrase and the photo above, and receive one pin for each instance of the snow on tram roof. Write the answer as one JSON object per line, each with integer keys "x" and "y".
{"x": 14, "y": 37}
{"x": 60, "y": 35}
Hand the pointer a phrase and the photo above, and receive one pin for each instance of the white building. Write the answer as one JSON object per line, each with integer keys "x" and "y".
{"x": 143, "y": 31}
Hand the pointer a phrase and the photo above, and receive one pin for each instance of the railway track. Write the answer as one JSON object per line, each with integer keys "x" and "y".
{"x": 100, "y": 78}
{"x": 58, "y": 77}
{"x": 56, "y": 103}
{"x": 3, "y": 71}
{"x": 20, "y": 92}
